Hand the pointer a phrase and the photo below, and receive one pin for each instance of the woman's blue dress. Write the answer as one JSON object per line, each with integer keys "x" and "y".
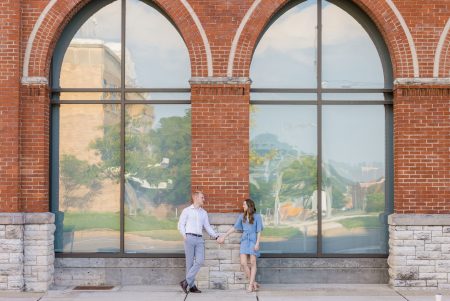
{"x": 249, "y": 235}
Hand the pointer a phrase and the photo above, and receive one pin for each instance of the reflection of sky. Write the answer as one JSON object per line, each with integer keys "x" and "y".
{"x": 156, "y": 50}
{"x": 285, "y": 56}
{"x": 351, "y": 134}
{"x": 295, "y": 125}
{"x": 163, "y": 111}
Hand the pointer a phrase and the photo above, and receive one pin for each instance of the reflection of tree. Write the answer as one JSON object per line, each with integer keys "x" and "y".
{"x": 279, "y": 175}
{"x": 76, "y": 174}
{"x": 152, "y": 156}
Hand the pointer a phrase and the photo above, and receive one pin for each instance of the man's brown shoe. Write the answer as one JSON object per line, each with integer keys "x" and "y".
{"x": 194, "y": 289}
{"x": 184, "y": 286}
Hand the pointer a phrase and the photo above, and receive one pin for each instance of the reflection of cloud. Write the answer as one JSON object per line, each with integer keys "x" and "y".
{"x": 153, "y": 44}
{"x": 146, "y": 26}
{"x": 295, "y": 32}
{"x": 297, "y": 126}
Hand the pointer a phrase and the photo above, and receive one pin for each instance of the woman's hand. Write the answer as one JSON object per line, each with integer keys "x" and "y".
{"x": 256, "y": 248}
{"x": 221, "y": 239}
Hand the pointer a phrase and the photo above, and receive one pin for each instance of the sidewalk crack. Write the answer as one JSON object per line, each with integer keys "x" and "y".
{"x": 398, "y": 293}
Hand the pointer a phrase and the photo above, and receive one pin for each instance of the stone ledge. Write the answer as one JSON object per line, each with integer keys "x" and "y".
{"x": 422, "y": 81}
{"x": 419, "y": 219}
{"x": 39, "y": 218}
{"x": 214, "y": 80}
{"x": 222, "y": 218}
{"x": 7, "y": 218}
{"x": 34, "y": 80}
{"x": 21, "y": 218}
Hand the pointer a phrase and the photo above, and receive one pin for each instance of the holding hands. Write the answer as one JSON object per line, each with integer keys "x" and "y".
{"x": 221, "y": 239}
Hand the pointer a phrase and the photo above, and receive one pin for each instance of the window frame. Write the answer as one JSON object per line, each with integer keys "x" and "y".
{"x": 55, "y": 91}
{"x": 361, "y": 17}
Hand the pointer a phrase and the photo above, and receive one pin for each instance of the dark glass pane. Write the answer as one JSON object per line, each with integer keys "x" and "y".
{"x": 156, "y": 55}
{"x": 157, "y": 176}
{"x": 92, "y": 59}
{"x": 286, "y": 55}
{"x": 350, "y": 58}
{"x": 89, "y": 190}
{"x": 283, "y": 176}
{"x": 353, "y": 196}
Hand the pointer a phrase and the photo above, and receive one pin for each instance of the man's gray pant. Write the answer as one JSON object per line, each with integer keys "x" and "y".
{"x": 194, "y": 247}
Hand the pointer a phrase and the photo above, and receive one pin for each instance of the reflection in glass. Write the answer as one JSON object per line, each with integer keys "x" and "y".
{"x": 151, "y": 40}
{"x": 350, "y": 58}
{"x": 283, "y": 176}
{"x": 284, "y": 96}
{"x": 353, "y": 180}
{"x": 89, "y": 190}
{"x": 94, "y": 96}
{"x": 157, "y": 176}
{"x": 92, "y": 59}
{"x": 353, "y": 96}
{"x": 286, "y": 54}
{"x": 167, "y": 96}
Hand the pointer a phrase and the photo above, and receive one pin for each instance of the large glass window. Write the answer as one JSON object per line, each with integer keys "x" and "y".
{"x": 320, "y": 132}
{"x": 121, "y": 131}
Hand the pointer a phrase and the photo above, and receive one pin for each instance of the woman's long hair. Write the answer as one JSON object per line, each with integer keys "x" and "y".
{"x": 249, "y": 213}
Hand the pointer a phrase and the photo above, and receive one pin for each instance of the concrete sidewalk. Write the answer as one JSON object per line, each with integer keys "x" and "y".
{"x": 302, "y": 292}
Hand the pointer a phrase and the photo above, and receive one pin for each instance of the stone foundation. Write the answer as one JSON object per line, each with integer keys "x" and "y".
{"x": 419, "y": 250}
{"x": 26, "y": 251}
{"x": 221, "y": 269}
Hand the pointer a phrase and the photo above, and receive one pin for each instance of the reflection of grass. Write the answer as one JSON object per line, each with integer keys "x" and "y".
{"x": 77, "y": 221}
{"x": 360, "y": 222}
{"x": 286, "y": 232}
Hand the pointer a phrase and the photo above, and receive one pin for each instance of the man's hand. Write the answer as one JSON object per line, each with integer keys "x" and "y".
{"x": 221, "y": 239}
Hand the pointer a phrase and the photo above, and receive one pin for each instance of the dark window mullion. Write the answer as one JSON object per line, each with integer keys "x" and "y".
{"x": 122, "y": 129}
{"x": 319, "y": 128}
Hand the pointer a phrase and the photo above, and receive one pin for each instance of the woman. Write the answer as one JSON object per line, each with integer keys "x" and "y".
{"x": 251, "y": 224}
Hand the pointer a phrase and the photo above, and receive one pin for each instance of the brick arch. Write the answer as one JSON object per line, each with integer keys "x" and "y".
{"x": 378, "y": 11}
{"x": 444, "y": 70}
{"x": 63, "y": 11}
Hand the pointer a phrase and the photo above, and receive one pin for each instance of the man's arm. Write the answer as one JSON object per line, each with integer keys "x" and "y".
{"x": 182, "y": 223}
{"x": 208, "y": 227}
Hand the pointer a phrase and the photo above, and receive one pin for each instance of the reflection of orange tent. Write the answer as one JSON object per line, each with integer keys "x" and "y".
{"x": 287, "y": 210}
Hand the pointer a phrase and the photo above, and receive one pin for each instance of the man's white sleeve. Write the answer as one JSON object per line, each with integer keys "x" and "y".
{"x": 182, "y": 222}
{"x": 208, "y": 227}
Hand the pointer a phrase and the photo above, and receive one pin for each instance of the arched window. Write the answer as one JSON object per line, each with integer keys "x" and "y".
{"x": 121, "y": 131}
{"x": 321, "y": 131}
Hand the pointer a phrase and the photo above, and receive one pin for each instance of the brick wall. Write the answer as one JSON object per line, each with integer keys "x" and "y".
{"x": 421, "y": 149}
{"x": 9, "y": 105}
{"x": 220, "y": 144}
{"x": 220, "y": 112}
{"x": 34, "y": 154}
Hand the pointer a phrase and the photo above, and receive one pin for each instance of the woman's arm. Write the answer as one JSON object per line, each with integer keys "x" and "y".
{"x": 221, "y": 239}
{"x": 257, "y": 241}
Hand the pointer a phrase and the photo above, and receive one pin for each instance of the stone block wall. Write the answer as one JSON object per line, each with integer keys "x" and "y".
{"x": 11, "y": 252}
{"x": 419, "y": 250}
{"x": 222, "y": 268}
{"x": 26, "y": 251}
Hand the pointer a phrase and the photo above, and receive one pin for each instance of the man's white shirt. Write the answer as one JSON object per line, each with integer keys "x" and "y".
{"x": 192, "y": 220}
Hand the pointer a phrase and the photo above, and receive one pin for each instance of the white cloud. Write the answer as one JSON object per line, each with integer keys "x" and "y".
{"x": 296, "y": 30}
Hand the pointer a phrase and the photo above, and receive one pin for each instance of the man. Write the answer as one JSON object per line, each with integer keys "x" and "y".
{"x": 192, "y": 221}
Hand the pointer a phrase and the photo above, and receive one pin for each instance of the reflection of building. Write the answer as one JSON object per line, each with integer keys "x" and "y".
{"x": 90, "y": 63}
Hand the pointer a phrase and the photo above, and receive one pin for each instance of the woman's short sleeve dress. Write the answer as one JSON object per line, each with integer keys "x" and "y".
{"x": 249, "y": 234}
